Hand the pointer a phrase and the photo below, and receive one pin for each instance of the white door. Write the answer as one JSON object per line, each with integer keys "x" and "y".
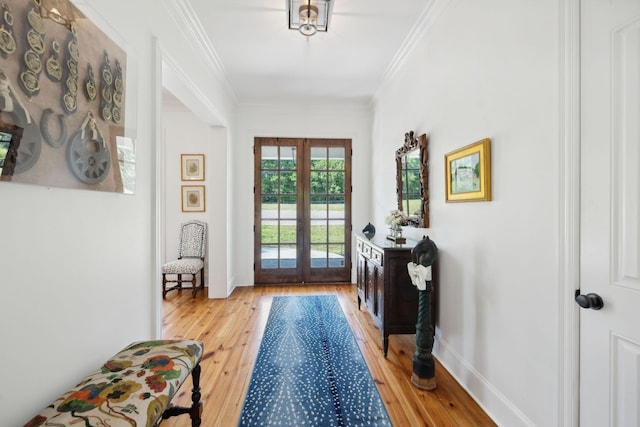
{"x": 610, "y": 204}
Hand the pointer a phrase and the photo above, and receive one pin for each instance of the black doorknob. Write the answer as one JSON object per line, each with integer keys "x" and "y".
{"x": 591, "y": 300}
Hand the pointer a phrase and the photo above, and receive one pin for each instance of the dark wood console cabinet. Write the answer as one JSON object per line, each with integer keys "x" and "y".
{"x": 383, "y": 283}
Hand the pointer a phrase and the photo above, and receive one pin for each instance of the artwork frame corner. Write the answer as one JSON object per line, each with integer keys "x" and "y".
{"x": 468, "y": 173}
{"x": 193, "y": 198}
{"x": 192, "y": 167}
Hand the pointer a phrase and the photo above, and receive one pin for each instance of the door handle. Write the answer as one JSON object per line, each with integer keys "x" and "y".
{"x": 590, "y": 300}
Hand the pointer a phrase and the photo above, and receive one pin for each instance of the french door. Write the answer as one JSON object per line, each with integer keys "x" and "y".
{"x": 302, "y": 211}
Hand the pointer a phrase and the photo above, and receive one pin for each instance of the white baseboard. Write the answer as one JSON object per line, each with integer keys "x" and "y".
{"x": 494, "y": 403}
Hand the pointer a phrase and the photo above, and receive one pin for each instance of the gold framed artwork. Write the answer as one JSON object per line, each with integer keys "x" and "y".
{"x": 468, "y": 173}
{"x": 192, "y": 167}
{"x": 193, "y": 198}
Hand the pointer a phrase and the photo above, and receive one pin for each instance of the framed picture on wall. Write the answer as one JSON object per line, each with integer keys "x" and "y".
{"x": 192, "y": 167}
{"x": 468, "y": 172}
{"x": 193, "y": 198}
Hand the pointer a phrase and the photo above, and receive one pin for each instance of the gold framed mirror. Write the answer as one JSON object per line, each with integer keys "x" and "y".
{"x": 412, "y": 179}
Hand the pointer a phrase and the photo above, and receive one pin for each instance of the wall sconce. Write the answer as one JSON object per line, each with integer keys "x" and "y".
{"x": 309, "y": 16}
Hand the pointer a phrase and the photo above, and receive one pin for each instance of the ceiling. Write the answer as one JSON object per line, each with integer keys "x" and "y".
{"x": 265, "y": 62}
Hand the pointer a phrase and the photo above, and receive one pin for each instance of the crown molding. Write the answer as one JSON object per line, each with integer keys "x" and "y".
{"x": 187, "y": 19}
{"x": 427, "y": 18}
{"x": 202, "y": 106}
{"x": 320, "y": 107}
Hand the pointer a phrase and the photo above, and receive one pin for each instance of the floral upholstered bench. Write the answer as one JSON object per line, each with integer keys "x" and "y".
{"x": 133, "y": 388}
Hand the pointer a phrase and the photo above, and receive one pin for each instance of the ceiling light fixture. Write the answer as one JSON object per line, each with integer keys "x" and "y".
{"x": 309, "y": 16}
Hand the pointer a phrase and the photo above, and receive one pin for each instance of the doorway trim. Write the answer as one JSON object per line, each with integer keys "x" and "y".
{"x": 569, "y": 218}
{"x": 169, "y": 75}
{"x": 157, "y": 174}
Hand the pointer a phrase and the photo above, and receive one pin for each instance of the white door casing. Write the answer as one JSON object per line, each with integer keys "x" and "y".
{"x": 610, "y": 214}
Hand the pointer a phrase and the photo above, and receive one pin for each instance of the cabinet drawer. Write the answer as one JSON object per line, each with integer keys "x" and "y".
{"x": 377, "y": 256}
{"x": 359, "y": 245}
{"x": 366, "y": 250}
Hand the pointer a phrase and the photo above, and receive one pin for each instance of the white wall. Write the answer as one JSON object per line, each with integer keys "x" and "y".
{"x": 184, "y": 133}
{"x": 488, "y": 69}
{"x": 306, "y": 121}
{"x": 78, "y": 267}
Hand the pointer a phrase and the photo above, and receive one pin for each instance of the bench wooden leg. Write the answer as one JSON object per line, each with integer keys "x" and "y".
{"x": 195, "y": 411}
{"x": 196, "y": 406}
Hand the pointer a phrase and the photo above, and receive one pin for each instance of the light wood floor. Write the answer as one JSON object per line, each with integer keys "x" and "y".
{"x": 231, "y": 330}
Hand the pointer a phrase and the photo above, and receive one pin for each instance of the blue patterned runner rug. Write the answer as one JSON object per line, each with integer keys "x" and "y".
{"x": 310, "y": 371}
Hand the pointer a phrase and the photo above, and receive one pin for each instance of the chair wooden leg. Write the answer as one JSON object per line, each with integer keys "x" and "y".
{"x": 164, "y": 286}
{"x": 178, "y": 286}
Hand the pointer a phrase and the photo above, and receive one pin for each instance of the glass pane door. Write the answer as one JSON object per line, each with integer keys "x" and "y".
{"x": 327, "y": 211}
{"x": 302, "y": 216}
{"x": 277, "y": 224}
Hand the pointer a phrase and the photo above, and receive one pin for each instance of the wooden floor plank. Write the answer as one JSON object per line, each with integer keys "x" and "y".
{"x": 232, "y": 328}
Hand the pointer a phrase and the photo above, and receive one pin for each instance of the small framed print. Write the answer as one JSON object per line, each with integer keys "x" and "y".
{"x": 192, "y": 167}
{"x": 193, "y": 198}
{"x": 468, "y": 173}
